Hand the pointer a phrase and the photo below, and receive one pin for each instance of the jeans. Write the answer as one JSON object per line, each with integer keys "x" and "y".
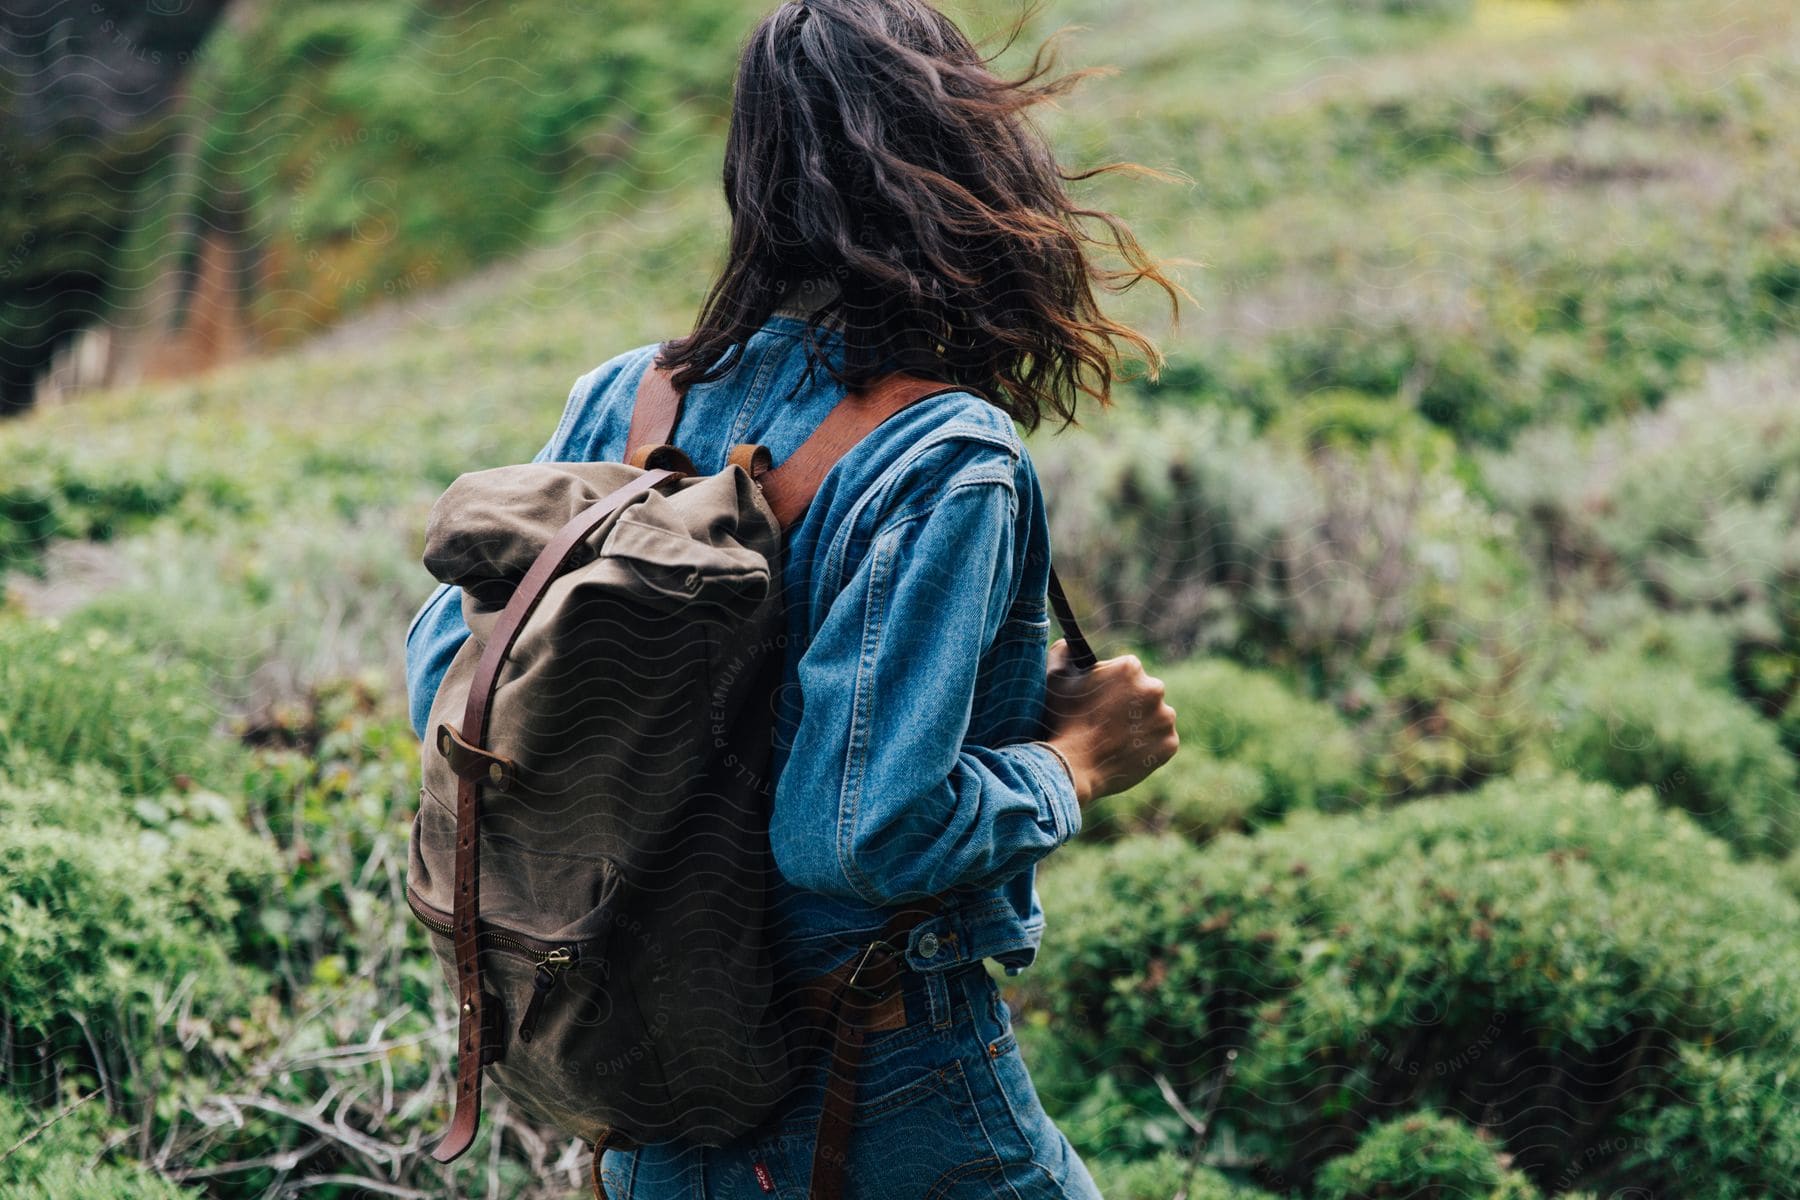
{"x": 945, "y": 1111}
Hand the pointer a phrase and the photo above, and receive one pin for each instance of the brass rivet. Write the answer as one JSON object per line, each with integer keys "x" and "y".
{"x": 468, "y": 1006}
{"x": 495, "y": 773}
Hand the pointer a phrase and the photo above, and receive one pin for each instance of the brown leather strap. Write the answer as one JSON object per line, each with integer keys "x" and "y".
{"x": 754, "y": 458}
{"x": 661, "y": 455}
{"x": 791, "y": 486}
{"x": 654, "y": 414}
{"x": 849, "y": 1009}
{"x": 600, "y": 1144}
{"x": 476, "y": 1043}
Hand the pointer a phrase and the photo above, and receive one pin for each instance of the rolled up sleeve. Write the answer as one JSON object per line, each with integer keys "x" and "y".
{"x": 880, "y": 798}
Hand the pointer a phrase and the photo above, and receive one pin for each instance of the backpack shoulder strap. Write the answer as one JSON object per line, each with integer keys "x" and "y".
{"x": 654, "y": 413}
{"x": 790, "y": 487}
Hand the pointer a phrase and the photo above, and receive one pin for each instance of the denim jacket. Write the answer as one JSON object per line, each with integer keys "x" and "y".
{"x": 914, "y": 676}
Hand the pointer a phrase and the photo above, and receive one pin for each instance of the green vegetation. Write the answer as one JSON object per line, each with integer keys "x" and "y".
{"x": 1542, "y": 954}
{"x": 1251, "y": 752}
{"x": 1424, "y": 1155}
{"x": 1460, "y": 527}
{"x": 1698, "y": 747}
{"x": 1168, "y": 1175}
{"x": 53, "y": 1154}
{"x": 89, "y": 699}
{"x": 366, "y": 151}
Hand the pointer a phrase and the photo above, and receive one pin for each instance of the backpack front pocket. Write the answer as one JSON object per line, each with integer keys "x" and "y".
{"x": 548, "y": 960}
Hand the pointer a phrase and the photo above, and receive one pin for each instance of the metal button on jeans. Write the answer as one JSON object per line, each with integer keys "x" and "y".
{"x": 928, "y": 946}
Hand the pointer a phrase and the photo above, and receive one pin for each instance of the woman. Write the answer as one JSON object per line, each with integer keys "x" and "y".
{"x": 893, "y": 209}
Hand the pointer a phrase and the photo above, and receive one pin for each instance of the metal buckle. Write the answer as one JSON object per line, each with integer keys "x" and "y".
{"x": 877, "y": 944}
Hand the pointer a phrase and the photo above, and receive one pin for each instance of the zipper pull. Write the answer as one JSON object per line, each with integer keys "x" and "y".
{"x": 549, "y": 969}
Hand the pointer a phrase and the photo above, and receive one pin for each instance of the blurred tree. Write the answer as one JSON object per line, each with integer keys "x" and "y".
{"x": 86, "y": 92}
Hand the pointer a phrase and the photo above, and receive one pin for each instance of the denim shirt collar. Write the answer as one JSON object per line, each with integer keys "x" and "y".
{"x": 807, "y": 296}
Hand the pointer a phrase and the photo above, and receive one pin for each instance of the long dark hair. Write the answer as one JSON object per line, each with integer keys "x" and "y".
{"x": 871, "y": 147}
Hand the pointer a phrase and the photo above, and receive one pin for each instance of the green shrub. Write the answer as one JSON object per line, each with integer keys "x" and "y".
{"x": 85, "y": 695}
{"x": 1628, "y": 722}
{"x": 1190, "y": 533}
{"x": 1689, "y": 503}
{"x": 1540, "y": 954}
{"x": 63, "y": 1153}
{"x": 1422, "y": 1157}
{"x": 1765, "y": 657}
{"x": 1173, "y": 525}
{"x": 1166, "y": 1177}
{"x": 1196, "y": 795}
{"x": 1454, "y": 702}
{"x": 1251, "y": 751}
{"x": 66, "y": 493}
{"x": 1466, "y": 380}
{"x": 1343, "y": 419}
{"x": 1674, "y": 530}
{"x": 1108, "y": 1121}
{"x": 116, "y": 902}
{"x": 1699, "y": 643}
{"x": 336, "y": 779}
{"x": 224, "y": 602}
{"x": 154, "y": 941}
{"x": 1460, "y": 711}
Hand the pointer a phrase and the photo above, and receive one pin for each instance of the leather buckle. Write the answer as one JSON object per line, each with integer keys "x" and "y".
{"x": 662, "y": 457}
{"x": 470, "y": 761}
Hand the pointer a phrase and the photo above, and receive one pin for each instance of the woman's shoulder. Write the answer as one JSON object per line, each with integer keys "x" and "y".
{"x": 598, "y": 411}
{"x": 627, "y": 365}
{"x": 958, "y": 422}
{"x": 952, "y": 440}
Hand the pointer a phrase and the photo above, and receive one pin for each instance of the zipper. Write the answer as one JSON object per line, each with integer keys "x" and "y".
{"x": 523, "y": 945}
{"x": 551, "y": 958}
{"x": 549, "y": 970}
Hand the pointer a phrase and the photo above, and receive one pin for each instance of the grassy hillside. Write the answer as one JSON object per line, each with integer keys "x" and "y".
{"x": 1461, "y": 526}
{"x": 367, "y": 151}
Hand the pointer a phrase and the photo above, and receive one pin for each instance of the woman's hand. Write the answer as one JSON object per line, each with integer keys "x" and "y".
{"x": 1110, "y": 723}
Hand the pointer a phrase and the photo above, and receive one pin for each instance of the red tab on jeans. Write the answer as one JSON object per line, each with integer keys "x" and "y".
{"x": 763, "y": 1177}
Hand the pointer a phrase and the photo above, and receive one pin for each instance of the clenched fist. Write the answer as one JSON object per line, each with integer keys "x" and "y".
{"x": 1110, "y": 722}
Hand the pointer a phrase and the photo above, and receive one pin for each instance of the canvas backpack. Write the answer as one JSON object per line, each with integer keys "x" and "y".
{"x": 591, "y": 850}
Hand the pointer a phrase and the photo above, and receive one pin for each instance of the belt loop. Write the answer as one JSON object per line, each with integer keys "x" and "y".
{"x": 937, "y": 994}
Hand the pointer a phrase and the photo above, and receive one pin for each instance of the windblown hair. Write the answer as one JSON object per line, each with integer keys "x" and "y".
{"x": 871, "y": 147}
